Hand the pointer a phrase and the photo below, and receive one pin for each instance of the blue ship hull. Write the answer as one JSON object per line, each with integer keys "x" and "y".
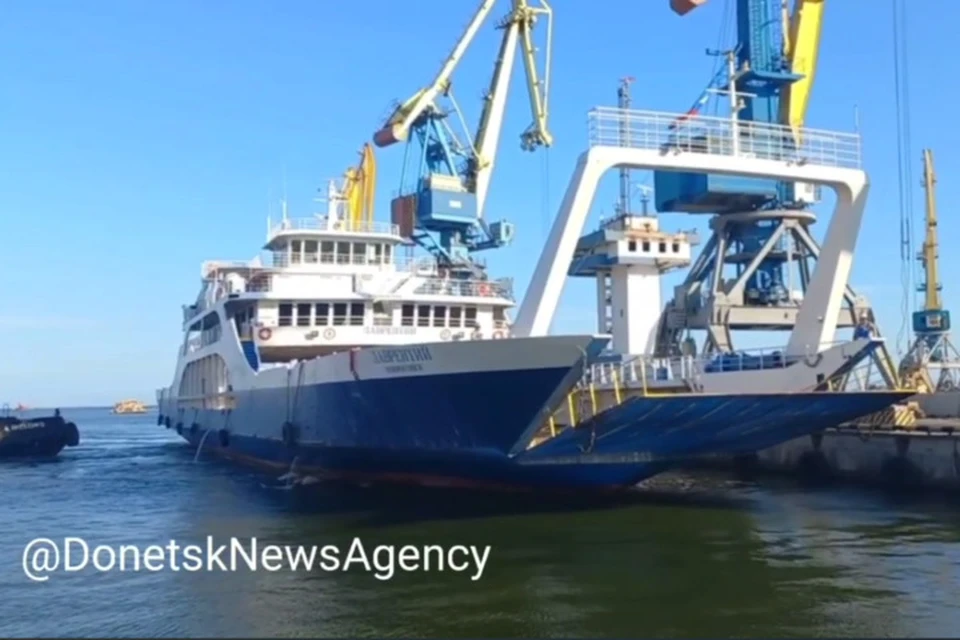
{"x": 464, "y": 430}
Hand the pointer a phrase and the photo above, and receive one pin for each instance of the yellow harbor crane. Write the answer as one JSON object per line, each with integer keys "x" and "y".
{"x": 933, "y": 361}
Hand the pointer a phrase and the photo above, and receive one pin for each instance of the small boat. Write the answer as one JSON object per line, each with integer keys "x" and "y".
{"x": 129, "y": 406}
{"x": 36, "y": 437}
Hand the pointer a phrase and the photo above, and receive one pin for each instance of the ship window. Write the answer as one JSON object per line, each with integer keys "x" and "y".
{"x": 632, "y": 246}
{"x": 406, "y": 315}
{"x": 471, "y": 318}
{"x": 381, "y": 317}
{"x": 339, "y": 314}
{"x": 360, "y": 253}
{"x": 439, "y": 316}
{"x": 310, "y": 251}
{"x": 356, "y": 314}
{"x": 456, "y": 313}
{"x": 286, "y": 314}
{"x": 295, "y": 252}
{"x": 676, "y": 247}
{"x": 323, "y": 314}
{"x": 387, "y": 251}
{"x": 377, "y": 254}
{"x": 663, "y": 247}
{"x": 343, "y": 253}
{"x": 326, "y": 252}
{"x": 303, "y": 314}
{"x": 423, "y": 316}
{"x": 646, "y": 247}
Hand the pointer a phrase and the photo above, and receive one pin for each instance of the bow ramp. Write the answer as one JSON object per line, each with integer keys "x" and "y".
{"x": 668, "y": 410}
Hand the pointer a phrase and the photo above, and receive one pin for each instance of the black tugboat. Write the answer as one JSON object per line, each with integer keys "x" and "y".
{"x": 36, "y": 437}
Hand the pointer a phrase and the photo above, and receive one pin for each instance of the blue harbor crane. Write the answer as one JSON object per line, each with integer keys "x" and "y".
{"x": 757, "y": 265}
{"x": 441, "y": 206}
{"x": 770, "y": 74}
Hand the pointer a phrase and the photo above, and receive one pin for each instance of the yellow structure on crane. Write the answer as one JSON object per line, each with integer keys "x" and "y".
{"x": 359, "y": 189}
{"x": 931, "y": 287}
{"x": 932, "y": 361}
{"x": 801, "y": 40}
{"x": 801, "y": 44}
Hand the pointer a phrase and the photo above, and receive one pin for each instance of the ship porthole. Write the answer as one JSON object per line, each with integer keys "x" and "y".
{"x": 224, "y": 438}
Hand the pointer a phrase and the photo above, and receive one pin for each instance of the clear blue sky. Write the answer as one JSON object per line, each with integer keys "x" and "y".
{"x": 141, "y": 138}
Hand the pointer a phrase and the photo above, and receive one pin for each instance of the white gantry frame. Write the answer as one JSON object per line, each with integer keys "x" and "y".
{"x": 675, "y": 142}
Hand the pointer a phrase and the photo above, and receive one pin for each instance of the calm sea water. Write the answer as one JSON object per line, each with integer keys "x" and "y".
{"x": 690, "y": 556}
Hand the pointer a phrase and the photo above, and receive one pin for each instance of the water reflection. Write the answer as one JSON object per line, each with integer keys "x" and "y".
{"x": 691, "y": 556}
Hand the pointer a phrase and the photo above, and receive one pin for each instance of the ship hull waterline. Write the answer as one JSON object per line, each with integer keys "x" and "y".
{"x": 623, "y": 447}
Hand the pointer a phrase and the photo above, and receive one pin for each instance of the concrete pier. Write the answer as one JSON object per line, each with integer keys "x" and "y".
{"x": 925, "y": 456}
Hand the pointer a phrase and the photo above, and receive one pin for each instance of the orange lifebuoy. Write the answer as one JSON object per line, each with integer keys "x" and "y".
{"x": 264, "y": 333}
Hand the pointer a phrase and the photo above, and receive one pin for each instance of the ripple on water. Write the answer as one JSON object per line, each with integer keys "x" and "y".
{"x": 689, "y": 555}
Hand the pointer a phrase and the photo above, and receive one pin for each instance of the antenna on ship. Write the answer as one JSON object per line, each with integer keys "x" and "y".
{"x": 623, "y": 102}
{"x": 645, "y": 191}
{"x": 270, "y": 204}
{"x": 284, "y": 201}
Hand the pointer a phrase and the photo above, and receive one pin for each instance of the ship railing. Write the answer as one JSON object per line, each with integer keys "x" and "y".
{"x": 644, "y": 370}
{"x": 421, "y": 264}
{"x": 326, "y": 225}
{"x": 429, "y": 283}
{"x": 626, "y": 222}
{"x": 865, "y": 376}
{"x": 663, "y": 131}
{"x": 209, "y": 267}
{"x": 205, "y": 338}
{"x": 502, "y": 288}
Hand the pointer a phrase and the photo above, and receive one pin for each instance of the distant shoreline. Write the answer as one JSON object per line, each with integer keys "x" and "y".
{"x": 51, "y": 409}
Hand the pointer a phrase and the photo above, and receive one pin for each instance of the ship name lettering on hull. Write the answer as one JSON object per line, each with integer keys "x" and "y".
{"x": 402, "y": 355}
{"x": 391, "y": 331}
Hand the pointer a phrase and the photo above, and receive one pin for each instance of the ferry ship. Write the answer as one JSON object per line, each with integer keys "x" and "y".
{"x": 340, "y": 352}
{"x": 338, "y": 356}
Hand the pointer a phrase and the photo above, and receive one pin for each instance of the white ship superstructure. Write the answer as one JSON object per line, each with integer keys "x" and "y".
{"x": 329, "y": 283}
